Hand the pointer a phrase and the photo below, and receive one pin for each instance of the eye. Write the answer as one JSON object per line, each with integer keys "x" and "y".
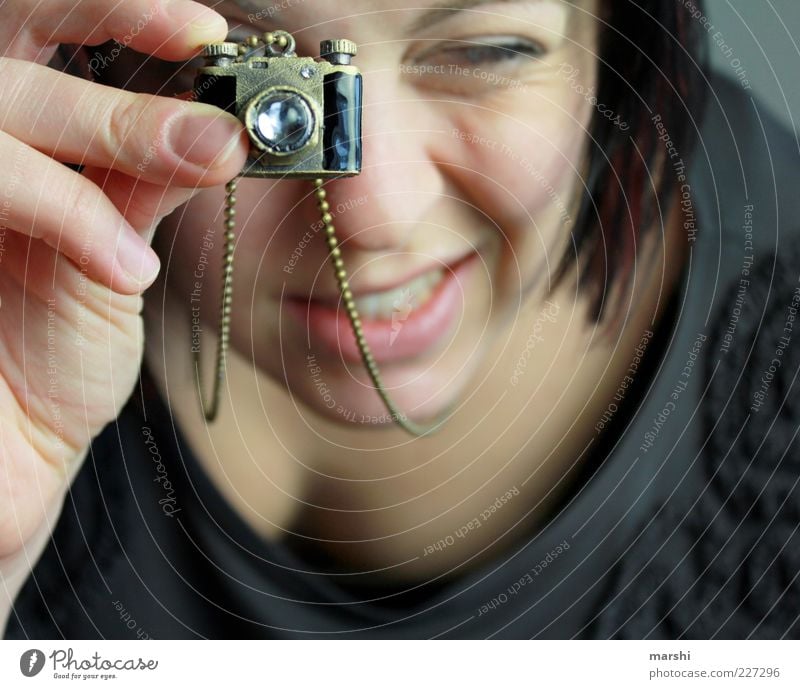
{"x": 474, "y": 66}
{"x": 482, "y": 52}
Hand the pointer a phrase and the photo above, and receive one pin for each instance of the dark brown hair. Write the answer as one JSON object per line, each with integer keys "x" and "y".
{"x": 651, "y": 64}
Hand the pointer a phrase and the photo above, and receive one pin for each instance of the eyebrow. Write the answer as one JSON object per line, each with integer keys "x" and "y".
{"x": 440, "y": 12}
{"x": 428, "y": 18}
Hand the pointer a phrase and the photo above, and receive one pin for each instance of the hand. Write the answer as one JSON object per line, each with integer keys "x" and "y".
{"x": 75, "y": 252}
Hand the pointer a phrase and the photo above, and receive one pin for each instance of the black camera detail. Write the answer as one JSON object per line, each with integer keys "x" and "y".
{"x": 303, "y": 116}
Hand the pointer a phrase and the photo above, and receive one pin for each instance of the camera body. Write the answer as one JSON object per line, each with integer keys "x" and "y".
{"x": 303, "y": 115}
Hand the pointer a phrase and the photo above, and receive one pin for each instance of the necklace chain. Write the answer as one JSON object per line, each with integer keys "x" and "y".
{"x": 211, "y": 408}
{"x": 340, "y": 273}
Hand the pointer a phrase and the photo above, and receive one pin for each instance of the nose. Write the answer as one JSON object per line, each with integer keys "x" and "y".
{"x": 399, "y": 183}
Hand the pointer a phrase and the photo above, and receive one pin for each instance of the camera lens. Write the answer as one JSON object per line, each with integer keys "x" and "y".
{"x": 283, "y": 122}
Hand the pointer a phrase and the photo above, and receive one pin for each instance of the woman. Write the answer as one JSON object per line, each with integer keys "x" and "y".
{"x": 522, "y": 243}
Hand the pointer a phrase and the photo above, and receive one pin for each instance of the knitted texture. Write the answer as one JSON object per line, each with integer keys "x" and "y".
{"x": 725, "y": 561}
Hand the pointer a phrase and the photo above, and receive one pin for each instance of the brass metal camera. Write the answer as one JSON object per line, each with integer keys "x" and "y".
{"x": 303, "y": 115}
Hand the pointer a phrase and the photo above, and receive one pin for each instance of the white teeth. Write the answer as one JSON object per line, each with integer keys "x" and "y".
{"x": 400, "y": 302}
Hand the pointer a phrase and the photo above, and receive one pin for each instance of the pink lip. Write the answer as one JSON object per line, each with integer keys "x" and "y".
{"x": 422, "y": 329}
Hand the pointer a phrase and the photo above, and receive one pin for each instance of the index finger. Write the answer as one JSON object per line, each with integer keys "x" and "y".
{"x": 168, "y": 29}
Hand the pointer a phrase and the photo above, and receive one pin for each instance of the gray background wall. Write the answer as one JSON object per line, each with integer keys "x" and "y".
{"x": 764, "y": 35}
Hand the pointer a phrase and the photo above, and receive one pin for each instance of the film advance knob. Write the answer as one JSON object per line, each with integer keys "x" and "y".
{"x": 220, "y": 53}
{"x": 338, "y": 51}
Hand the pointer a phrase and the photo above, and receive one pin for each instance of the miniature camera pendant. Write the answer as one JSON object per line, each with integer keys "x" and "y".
{"x": 304, "y": 121}
{"x": 303, "y": 115}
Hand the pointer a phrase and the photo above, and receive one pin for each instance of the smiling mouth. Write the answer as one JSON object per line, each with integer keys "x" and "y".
{"x": 378, "y": 304}
{"x": 398, "y": 323}
{"x": 410, "y": 296}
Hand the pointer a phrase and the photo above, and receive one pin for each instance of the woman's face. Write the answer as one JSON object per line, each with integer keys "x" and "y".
{"x": 474, "y": 132}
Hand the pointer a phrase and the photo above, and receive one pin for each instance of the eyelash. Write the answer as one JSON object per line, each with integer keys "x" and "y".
{"x": 486, "y": 53}
{"x": 500, "y": 52}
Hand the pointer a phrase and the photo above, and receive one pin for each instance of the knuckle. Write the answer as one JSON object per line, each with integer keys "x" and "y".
{"x": 121, "y": 124}
{"x": 140, "y": 211}
{"x": 84, "y": 205}
{"x": 12, "y": 86}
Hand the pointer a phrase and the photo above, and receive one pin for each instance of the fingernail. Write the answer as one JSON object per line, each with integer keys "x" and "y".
{"x": 197, "y": 17}
{"x": 205, "y": 140}
{"x": 136, "y": 258}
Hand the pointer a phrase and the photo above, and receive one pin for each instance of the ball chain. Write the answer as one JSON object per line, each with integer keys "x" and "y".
{"x": 355, "y": 321}
{"x": 210, "y": 410}
{"x": 285, "y": 42}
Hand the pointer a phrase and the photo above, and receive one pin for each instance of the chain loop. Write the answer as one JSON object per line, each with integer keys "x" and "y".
{"x": 285, "y": 43}
{"x": 400, "y": 418}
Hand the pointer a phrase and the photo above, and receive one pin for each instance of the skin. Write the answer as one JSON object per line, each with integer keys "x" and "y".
{"x": 366, "y": 494}
{"x": 75, "y": 255}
